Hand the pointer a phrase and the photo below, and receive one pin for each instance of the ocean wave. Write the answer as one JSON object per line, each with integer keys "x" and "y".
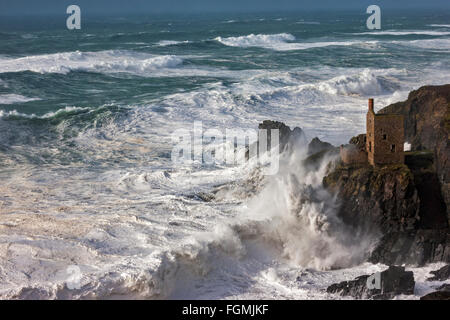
{"x": 49, "y": 115}
{"x": 280, "y": 42}
{"x": 165, "y": 43}
{"x": 110, "y": 61}
{"x": 3, "y": 83}
{"x": 440, "y": 25}
{"x": 366, "y": 82}
{"x": 14, "y": 98}
{"x": 405, "y": 33}
{"x": 258, "y": 40}
{"x": 438, "y": 44}
{"x": 356, "y": 84}
{"x": 114, "y": 62}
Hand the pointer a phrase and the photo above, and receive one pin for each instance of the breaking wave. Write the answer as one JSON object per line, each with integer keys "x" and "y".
{"x": 281, "y": 42}
{"x": 165, "y": 43}
{"x": 49, "y": 115}
{"x": 110, "y": 61}
{"x": 406, "y": 33}
{"x": 434, "y": 44}
{"x": 440, "y": 25}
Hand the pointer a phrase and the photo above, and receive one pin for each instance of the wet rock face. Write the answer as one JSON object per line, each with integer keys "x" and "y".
{"x": 375, "y": 198}
{"x": 442, "y": 293}
{"x": 409, "y": 204}
{"x": 441, "y": 274}
{"x": 417, "y": 247}
{"x": 288, "y": 138}
{"x": 316, "y": 145}
{"x": 393, "y": 281}
{"x": 425, "y": 113}
{"x": 427, "y": 126}
{"x": 437, "y": 295}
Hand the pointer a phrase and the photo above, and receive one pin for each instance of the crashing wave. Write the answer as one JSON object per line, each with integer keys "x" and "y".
{"x": 281, "y": 42}
{"x": 110, "y": 61}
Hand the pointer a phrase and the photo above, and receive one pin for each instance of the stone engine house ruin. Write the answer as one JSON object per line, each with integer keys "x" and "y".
{"x": 382, "y": 144}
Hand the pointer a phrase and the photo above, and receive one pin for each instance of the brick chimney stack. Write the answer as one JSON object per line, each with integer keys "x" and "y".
{"x": 371, "y": 105}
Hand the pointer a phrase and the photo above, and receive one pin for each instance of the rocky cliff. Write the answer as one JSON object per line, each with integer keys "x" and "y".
{"x": 383, "y": 198}
{"x": 427, "y": 127}
{"x": 407, "y": 203}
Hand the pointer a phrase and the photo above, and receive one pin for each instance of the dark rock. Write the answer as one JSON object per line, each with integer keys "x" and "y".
{"x": 409, "y": 204}
{"x": 288, "y": 138}
{"x": 441, "y": 274}
{"x": 442, "y": 293}
{"x": 313, "y": 161}
{"x": 444, "y": 287}
{"x": 437, "y": 295}
{"x": 394, "y": 281}
{"x": 427, "y": 126}
{"x": 417, "y": 247}
{"x": 316, "y": 145}
{"x": 382, "y": 198}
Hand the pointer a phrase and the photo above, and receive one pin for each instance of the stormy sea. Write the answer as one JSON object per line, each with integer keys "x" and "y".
{"x": 91, "y": 203}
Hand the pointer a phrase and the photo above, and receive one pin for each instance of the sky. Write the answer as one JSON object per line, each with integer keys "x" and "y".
{"x": 106, "y": 7}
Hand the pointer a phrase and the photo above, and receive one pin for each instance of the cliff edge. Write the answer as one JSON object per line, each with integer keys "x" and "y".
{"x": 407, "y": 203}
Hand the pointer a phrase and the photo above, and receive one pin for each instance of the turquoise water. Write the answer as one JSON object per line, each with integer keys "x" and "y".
{"x": 126, "y": 63}
{"x": 86, "y": 118}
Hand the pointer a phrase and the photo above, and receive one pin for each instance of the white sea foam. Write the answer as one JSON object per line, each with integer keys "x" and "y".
{"x": 405, "y": 33}
{"x": 433, "y": 44}
{"x": 112, "y": 61}
{"x": 15, "y": 98}
{"x": 165, "y": 43}
{"x": 440, "y": 25}
{"x": 15, "y": 113}
{"x": 139, "y": 231}
{"x": 258, "y": 40}
{"x": 281, "y": 42}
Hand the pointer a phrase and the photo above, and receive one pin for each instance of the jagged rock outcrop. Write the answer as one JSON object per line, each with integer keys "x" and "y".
{"x": 427, "y": 127}
{"x": 407, "y": 203}
{"x": 416, "y": 247}
{"x": 316, "y": 145}
{"x": 288, "y": 138}
{"x": 437, "y": 295}
{"x": 384, "y": 198}
{"x": 441, "y": 274}
{"x": 393, "y": 281}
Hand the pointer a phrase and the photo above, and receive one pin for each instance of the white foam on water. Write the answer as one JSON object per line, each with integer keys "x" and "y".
{"x": 165, "y": 43}
{"x": 405, "y": 33}
{"x": 140, "y": 230}
{"x": 102, "y": 61}
{"x": 110, "y": 62}
{"x": 281, "y": 42}
{"x": 440, "y": 25}
{"x": 15, "y": 113}
{"x": 436, "y": 44}
{"x": 15, "y": 98}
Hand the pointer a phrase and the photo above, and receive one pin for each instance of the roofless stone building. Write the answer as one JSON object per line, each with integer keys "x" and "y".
{"x": 382, "y": 144}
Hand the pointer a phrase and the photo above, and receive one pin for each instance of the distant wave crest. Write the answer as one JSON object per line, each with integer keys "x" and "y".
{"x": 15, "y": 98}
{"x": 110, "y": 61}
{"x": 281, "y": 42}
{"x": 406, "y": 33}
